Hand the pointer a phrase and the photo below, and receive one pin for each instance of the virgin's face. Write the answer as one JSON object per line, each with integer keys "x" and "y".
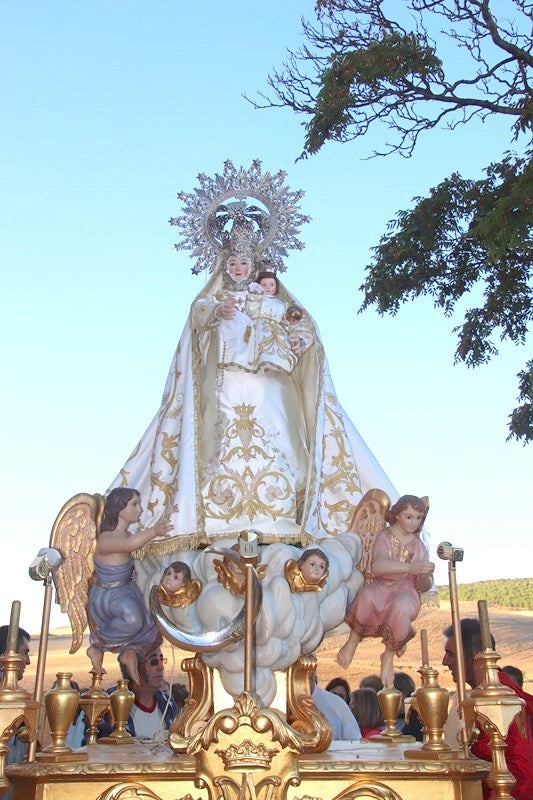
{"x": 239, "y": 267}
{"x": 410, "y": 520}
{"x": 132, "y": 510}
{"x": 313, "y": 569}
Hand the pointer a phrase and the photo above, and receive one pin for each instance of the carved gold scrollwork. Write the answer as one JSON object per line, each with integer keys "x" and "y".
{"x": 368, "y": 790}
{"x": 198, "y": 706}
{"x": 246, "y": 753}
{"x": 246, "y": 711}
{"x": 133, "y": 791}
{"x": 302, "y": 714}
{"x": 128, "y": 791}
{"x": 247, "y": 789}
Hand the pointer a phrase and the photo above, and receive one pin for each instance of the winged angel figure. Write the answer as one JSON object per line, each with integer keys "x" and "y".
{"x": 95, "y": 583}
{"x": 74, "y": 536}
{"x": 396, "y": 569}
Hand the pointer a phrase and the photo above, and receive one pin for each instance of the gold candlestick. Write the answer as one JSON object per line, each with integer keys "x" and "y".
{"x": 16, "y": 708}
{"x": 9, "y": 685}
{"x": 94, "y": 703}
{"x": 494, "y": 708}
{"x": 425, "y": 649}
{"x": 13, "y": 630}
{"x": 483, "y": 613}
{"x": 432, "y": 702}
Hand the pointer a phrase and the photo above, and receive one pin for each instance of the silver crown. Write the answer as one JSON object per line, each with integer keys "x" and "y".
{"x": 211, "y": 222}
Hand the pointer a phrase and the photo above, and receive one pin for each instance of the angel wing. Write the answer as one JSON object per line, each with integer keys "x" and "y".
{"x": 367, "y": 520}
{"x": 74, "y": 535}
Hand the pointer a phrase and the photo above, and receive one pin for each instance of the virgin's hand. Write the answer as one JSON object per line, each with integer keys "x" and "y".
{"x": 227, "y": 309}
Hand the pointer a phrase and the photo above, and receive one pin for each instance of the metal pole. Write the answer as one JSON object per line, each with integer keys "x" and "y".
{"x": 249, "y": 630}
{"x": 41, "y": 661}
{"x": 459, "y": 655}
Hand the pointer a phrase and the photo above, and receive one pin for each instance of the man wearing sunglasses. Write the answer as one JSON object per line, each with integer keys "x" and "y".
{"x": 153, "y": 710}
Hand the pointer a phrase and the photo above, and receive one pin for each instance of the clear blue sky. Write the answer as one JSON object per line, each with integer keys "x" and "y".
{"x": 111, "y": 108}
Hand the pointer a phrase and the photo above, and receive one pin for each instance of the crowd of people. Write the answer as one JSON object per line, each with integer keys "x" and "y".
{"x": 353, "y": 715}
{"x": 364, "y": 705}
{"x": 156, "y": 702}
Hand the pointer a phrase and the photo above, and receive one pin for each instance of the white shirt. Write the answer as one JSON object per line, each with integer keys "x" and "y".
{"x": 338, "y": 713}
{"x": 146, "y": 723}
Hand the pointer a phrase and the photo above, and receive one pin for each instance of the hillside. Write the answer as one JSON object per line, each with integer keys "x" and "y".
{"x": 507, "y": 592}
{"x": 512, "y": 629}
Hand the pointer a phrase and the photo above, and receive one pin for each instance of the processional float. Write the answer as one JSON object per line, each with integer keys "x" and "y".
{"x": 246, "y": 501}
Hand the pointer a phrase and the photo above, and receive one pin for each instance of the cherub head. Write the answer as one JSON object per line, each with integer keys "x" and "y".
{"x": 269, "y": 283}
{"x": 175, "y": 577}
{"x": 410, "y": 512}
{"x": 116, "y": 501}
{"x": 313, "y": 564}
{"x": 232, "y": 565}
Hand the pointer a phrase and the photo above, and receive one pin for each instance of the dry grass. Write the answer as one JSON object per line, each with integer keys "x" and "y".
{"x": 513, "y": 631}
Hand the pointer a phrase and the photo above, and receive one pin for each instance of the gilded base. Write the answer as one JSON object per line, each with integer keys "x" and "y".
{"x": 349, "y": 770}
{"x": 391, "y": 738}
{"x": 116, "y": 740}
{"x": 428, "y": 755}
{"x": 60, "y": 758}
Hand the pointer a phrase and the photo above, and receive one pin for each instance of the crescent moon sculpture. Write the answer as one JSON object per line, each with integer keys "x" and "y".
{"x": 208, "y": 641}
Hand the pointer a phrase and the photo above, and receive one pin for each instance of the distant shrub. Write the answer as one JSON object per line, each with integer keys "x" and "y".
{"x": 508, "y": 592}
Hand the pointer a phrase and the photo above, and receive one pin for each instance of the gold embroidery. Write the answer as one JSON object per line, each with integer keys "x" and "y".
{"x": 399, "y": 551}
{"x": 261, "y": 488}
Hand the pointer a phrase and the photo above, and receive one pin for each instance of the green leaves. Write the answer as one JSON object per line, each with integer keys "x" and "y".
{"x": 358, "y": 77}
{"x": 373, "y": 66}
{"x": 467, "y": 234}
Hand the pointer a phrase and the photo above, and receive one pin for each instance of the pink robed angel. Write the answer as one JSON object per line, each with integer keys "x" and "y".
{"x": 390, "y": 600}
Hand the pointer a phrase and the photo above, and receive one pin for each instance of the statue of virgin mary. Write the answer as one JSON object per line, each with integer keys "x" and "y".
{"x": 250, "y": 433}
{"x": 250, "y": 436}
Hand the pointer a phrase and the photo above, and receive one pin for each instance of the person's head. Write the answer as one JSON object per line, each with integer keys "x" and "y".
{"x": 23, "y": 647}
{"x": 269, "y": 282}
{"x": 175, "y": 576}
{"x": 365, "y": 708}
{"x": 151, "y": 671}
{"x": 404, "y": 684}
{"x": 179, "y": 694}
{"x": 515, "y": 674}
{"x": 373, "y": 682}
{"x": 313, "y": 564}
{"x": 341, "y": 687}
{"x": 239, "y": 266}
{"x": 471, "y": 639}
{"x": 409, "y": 511}
{"x": 117, "y": 501}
